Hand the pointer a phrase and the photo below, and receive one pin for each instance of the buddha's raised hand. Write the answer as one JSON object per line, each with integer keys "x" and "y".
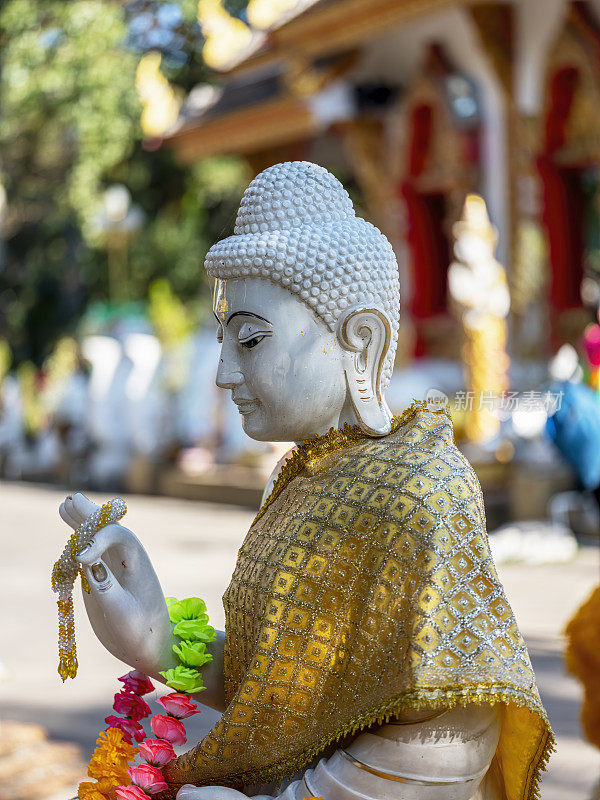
{"x": 125, "y": 604}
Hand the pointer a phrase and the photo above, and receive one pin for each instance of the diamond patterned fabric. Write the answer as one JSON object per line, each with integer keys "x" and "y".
{"x": 366, "y": 587}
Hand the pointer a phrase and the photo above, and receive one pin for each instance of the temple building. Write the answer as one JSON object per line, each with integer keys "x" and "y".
{"x": 417, "y": 103}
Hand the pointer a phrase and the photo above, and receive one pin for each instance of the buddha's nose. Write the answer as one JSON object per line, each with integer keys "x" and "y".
{"x": 228, "y": 378}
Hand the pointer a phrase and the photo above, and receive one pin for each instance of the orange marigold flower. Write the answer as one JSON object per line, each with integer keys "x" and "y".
{"x": 93, "y": 795}
{"x": 112, "y": 740}
{"x": 111, "y": 758}
{"x": 107, "y": 767}
{"x": 105, "y": 786}
{"x": 91, "y": 791}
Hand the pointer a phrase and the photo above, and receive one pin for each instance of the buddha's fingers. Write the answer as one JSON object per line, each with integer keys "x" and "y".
{"x": 109, "y": 537}
{"x": 102, "y": 601}
{"x": 82, "y": 507}
{"x": 118, "y": 607}
{"x": 66, "y": 517}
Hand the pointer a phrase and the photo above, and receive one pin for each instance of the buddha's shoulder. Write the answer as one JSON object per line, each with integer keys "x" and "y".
{"x": 421, "y": 443}
{"x": 417, "y": 465}
{"x": 418, "y": 430}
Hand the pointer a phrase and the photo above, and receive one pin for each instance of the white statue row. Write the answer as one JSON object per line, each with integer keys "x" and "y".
{"x": 122, "y": 409}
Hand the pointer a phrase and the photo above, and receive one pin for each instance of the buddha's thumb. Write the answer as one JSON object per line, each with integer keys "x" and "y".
{"x": 99, "y": 575}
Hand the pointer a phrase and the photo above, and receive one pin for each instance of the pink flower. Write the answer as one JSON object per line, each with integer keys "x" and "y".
{"x": 168, "y": 728}
{"x": 129, "y": 727}
{"x": 130, "y": 793}
{"x": 132, "y": 706}
{"x": 591, "y": 344}
{"x": 136, "y": 682}
{"x": 178, "y": 705}
{"x": 148, "y": 778}
{"x": 157, "y": 752}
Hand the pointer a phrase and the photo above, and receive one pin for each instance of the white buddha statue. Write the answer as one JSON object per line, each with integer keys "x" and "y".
{"x": 364, "y": 613}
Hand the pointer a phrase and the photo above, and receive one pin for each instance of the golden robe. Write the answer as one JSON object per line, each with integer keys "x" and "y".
{"x": 365, "y": 587}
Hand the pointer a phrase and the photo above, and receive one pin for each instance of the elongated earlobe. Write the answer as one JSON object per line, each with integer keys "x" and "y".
{"x": 365, "y": 335}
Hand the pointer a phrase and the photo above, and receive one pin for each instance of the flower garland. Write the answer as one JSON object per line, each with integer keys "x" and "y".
{"x": 147, "y": 778}
{"x": 115, "y": 751}
{"x": 191, "y": 627}
{"x": 111, "y": 763}
{"x": 114, "y": 748}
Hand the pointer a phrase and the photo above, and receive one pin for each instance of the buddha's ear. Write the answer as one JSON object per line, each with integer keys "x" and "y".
{"x": 365, "y": 334}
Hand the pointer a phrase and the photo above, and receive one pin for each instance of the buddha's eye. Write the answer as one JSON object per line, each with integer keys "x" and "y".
{"x": 252, "y": 334}
{"x": 250, "y": 343}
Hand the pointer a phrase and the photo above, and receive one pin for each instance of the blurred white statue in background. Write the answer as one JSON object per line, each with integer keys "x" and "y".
{"x": 477, "y": 285}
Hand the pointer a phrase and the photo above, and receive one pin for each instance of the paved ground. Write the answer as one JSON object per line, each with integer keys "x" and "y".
{"x": 194, "y": 546}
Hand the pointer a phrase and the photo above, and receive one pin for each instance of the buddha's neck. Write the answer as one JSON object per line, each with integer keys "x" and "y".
{"x": 347, "y": 416}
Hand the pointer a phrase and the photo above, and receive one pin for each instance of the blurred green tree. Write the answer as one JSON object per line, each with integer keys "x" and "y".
{"x": 69, "y": 128}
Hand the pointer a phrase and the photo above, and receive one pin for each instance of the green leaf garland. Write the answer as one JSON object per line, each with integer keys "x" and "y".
{"x": 192, "y": 654}
{"x": 183, "y": 679}
{"x": 191, "y": 626}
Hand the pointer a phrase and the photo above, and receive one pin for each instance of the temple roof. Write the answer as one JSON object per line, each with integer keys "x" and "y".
{"x": 269, "y": 80}
{"x": 249, "y": 112}
{"x": 318, "y": 27}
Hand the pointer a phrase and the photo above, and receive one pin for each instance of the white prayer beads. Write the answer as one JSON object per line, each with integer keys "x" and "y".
{"x": 64, "y": 574}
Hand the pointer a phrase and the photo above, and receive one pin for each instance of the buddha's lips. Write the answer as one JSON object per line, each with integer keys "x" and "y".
{"x": 246, "y": 406}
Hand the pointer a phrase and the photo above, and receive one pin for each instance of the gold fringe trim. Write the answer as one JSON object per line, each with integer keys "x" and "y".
{"x": 432, "y": 698}
{"x": 335, "y": 439}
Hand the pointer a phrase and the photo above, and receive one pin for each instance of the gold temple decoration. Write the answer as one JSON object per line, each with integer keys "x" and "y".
{"x": 365, "y": 587}
{"x": 226, "y": 38}
{"x": 264, "y": 14}
{"x": 159, "y": 101}
{"x": 478, "y": 287}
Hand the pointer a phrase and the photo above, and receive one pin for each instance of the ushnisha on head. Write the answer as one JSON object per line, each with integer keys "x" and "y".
{"x": 325, "y": 283}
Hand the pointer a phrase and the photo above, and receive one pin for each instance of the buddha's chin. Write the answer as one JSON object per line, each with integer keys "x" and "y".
{"x": 259, "y": 427}
{"x": 256, "y": 426}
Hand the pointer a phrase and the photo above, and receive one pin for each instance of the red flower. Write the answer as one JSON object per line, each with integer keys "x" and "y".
{"x": 130, "y": 793}
{"x": 148, "y": 778}
{"x": 129, "y": 728}
{"x": 136, "y": 682}
{"x": 178, "y": 705}
{"x": 132, "y": 706}
{"x": 168, "y": 728}
{"x": 157, "y": 752}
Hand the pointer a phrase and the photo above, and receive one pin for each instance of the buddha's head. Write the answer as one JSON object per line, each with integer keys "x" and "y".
{"x": 307, "y": 300}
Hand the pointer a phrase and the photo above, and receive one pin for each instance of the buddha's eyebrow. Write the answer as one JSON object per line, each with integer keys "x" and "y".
{"x": 246, "y": 314}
